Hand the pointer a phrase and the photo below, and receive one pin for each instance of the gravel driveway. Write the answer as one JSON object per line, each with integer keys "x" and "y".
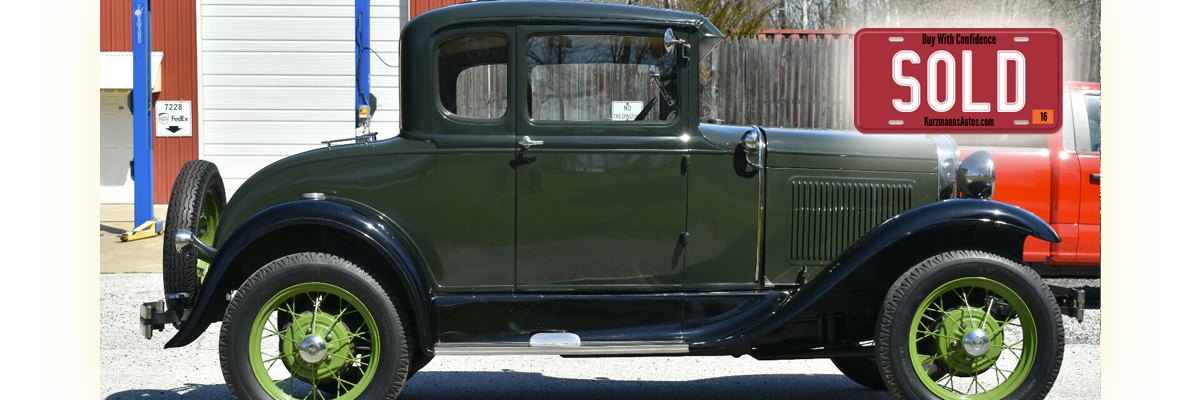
{"x": 134, "y": 368}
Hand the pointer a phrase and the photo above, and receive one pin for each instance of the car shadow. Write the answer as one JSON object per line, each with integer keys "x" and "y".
{"x": 525, "y": 385}
{"x": 506, "y": 384}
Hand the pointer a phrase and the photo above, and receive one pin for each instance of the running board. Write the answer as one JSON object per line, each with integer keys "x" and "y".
{"x": 560, "y": 344}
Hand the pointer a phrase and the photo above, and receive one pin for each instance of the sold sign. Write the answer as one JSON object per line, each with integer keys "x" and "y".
{"x": 957, "y": 80}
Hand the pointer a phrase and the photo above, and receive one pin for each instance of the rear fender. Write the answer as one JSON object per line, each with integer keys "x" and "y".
{"x": 355, "y": 219}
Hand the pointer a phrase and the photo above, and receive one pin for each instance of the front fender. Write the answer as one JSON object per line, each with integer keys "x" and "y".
{"x": 989, "y": 219}
{"x": 369, "y": 225}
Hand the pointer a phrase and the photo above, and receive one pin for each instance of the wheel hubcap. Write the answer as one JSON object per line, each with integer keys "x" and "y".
{"x": 975, "y": 342}
{"x": 312, "y": 349}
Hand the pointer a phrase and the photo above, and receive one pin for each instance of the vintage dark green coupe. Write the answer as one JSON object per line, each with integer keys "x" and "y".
{"x": 552, "y": 191}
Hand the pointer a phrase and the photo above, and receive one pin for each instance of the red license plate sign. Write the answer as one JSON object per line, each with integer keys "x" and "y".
{"x": 957, "y": 80}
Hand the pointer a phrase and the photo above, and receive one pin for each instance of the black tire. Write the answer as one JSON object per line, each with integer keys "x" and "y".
{"x": 198, "y": 181}
{"x": 282, "y": 276}
{"x": 897, "y": 315}
{"x": 862, "y": 370}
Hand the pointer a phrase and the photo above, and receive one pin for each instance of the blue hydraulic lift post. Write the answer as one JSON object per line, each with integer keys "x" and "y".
{"x": 143, "y": 120}
{"x": 362, "y": 60}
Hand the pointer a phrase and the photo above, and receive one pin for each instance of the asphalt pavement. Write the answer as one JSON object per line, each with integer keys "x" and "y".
{"x": 135, "y": 368}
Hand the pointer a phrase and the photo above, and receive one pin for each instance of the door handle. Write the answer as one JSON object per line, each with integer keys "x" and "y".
{"x": 1095, "y": 177}
{"x": 526, "y": 142}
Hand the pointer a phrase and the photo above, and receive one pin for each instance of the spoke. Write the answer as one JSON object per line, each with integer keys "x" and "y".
{"x": 343, "y": 385}
{"x": 940, "y": 308}
{"x": 273, "y": 358}
{"x": 932, "y": 333}
{"x": 926, "y": 321}
{"x": 975, "y": 383}
{"x": 338, "y": 318}
{"x": 319, "y": 393}
{"x": 1014, "y": 344}
{"x": 986, "y": 314}
{"x": 1001, "y": 328}
{"x": 358, "y": 359}
{"x": 963, "y": 296}
{"x": 312, "y": 388}
{"x": 996, "y": 367}
{"x": 291, "y": 310}
{"x": 291, "y": 379}
{"x": 1010, "y": 350}
{"x": 273, "y": 334}
{"x": 272, "y": 364}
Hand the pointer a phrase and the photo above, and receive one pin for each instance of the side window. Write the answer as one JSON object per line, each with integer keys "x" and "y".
{"x": 473, "y": 76}
{"x": 1093, "y": 114}
{"x": 601, "y": 78}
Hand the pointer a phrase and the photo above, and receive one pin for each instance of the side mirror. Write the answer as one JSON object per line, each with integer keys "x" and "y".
{"x": 669, "y": 40}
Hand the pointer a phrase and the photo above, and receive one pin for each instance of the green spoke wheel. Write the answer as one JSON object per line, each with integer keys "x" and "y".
{"x": 969, "y": 325}
{"x": 313, "y": 326}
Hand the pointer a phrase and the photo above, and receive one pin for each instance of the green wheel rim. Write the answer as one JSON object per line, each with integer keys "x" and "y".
{"x": 962, "y": 306}
{"x": 210, "y": 216}
{"x": 322, "y": 310}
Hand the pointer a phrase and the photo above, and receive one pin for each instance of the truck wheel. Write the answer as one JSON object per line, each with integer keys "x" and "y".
{"x": 197, "y": 200}
{"x": 343, "y": 335}
{"x": 989, "y": 323}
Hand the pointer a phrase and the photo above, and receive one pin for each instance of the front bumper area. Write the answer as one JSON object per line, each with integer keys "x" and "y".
{"x": 1070, "y": 301}
{"x": 155, "y": 316}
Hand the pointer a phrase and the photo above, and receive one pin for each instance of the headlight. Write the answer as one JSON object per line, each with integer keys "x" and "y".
{"x": 976, "y": 176}
{"x": 947, "y": 157}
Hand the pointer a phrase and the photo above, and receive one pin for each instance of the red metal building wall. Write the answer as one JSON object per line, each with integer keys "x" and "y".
{"x": 174, "y": 34}
{"x": 416, "y": 7}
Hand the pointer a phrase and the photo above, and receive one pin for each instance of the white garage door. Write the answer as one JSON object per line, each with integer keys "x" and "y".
{"x": 277, "y": 78}
{"x": 116, "y": 147}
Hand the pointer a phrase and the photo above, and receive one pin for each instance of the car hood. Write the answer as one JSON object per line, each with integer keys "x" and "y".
{"x": 827, "y": 149}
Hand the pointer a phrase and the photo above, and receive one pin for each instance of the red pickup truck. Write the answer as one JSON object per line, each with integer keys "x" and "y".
{"x": 1056, "y": 177}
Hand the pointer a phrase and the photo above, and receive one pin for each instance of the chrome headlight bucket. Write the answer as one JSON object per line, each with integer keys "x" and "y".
{"x": 947, "y": 158}
{"x": 976, "y": 176}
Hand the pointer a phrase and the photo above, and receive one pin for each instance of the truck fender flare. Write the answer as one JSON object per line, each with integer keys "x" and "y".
{"x": 369, "y": 225}
{"x": 986, "y": 215}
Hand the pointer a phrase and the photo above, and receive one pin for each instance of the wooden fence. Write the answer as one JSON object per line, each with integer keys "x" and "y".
{"x": 793, "y": 81}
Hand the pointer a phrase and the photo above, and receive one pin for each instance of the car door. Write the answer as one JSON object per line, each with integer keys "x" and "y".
{"x": 601, "y": 198}
{"x": 1087, "y": 142}
{"x": 468, "y": 178}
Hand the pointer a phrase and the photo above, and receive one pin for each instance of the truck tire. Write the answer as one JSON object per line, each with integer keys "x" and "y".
{"x": 197, "y": 200}
{"x": 990, "y": 323}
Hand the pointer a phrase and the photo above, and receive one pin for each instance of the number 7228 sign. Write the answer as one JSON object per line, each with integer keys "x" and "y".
{"x": 957, "y": 80}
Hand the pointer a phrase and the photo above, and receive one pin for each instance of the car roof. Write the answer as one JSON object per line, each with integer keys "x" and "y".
{"x": 570, "y": 12}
